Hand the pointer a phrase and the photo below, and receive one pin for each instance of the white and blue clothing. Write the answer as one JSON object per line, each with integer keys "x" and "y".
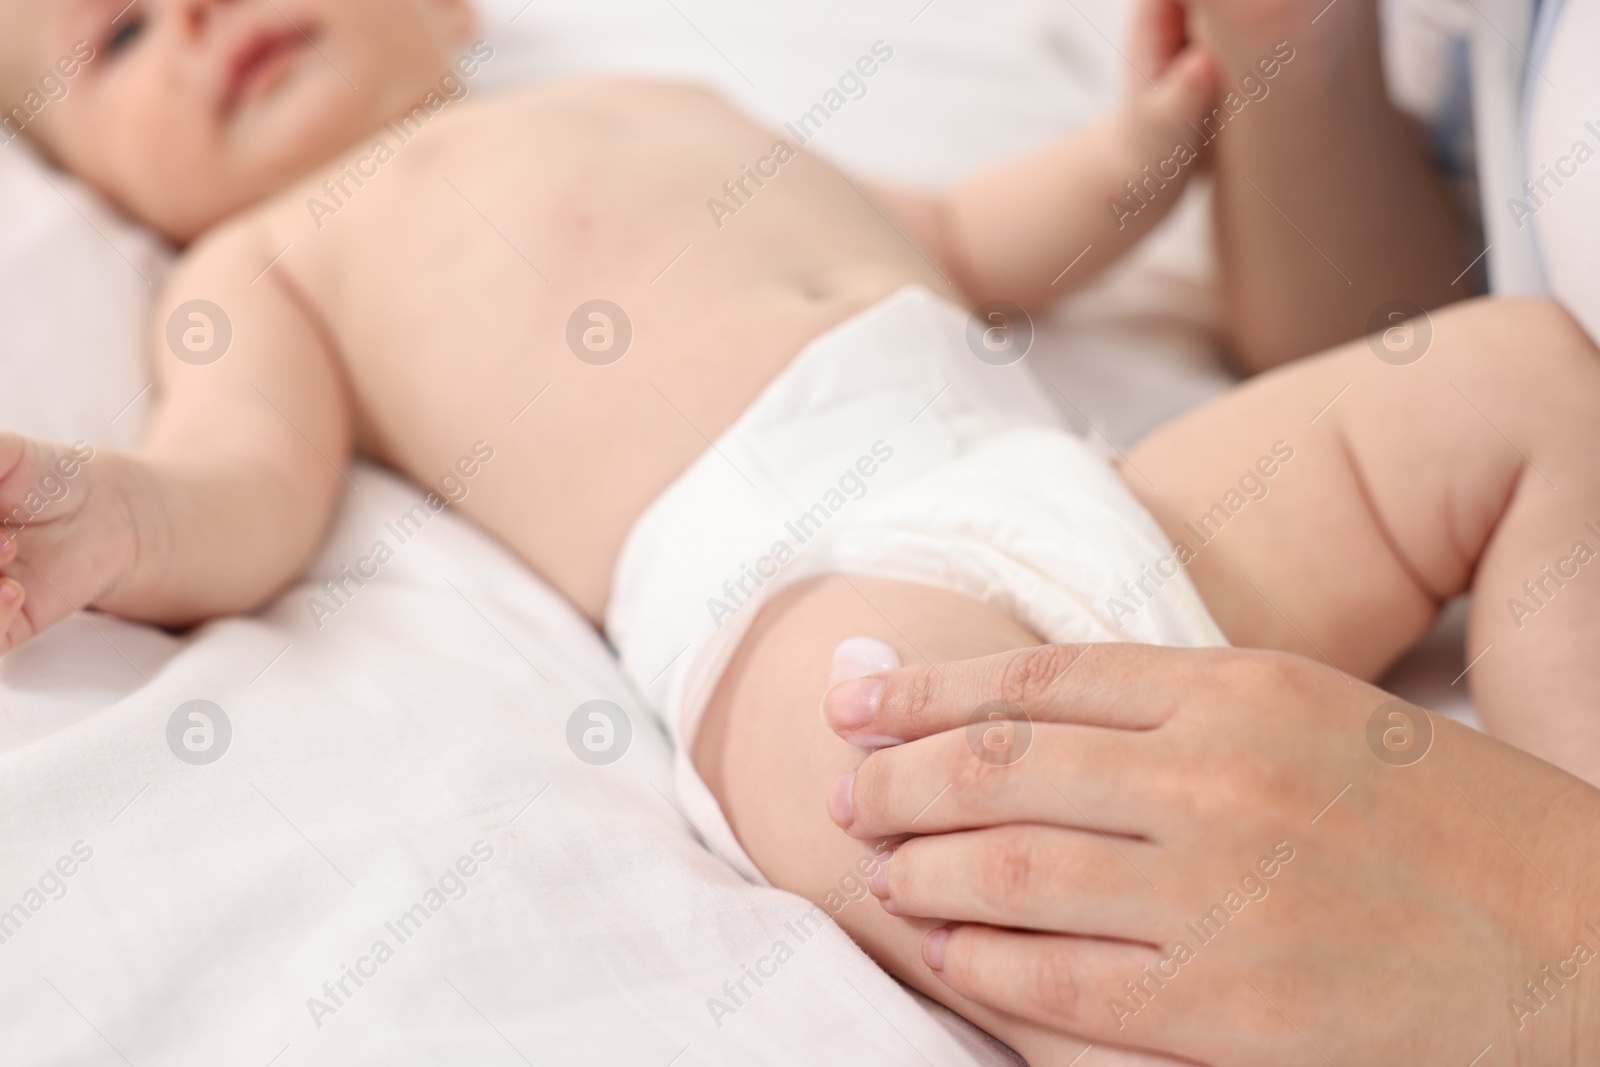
{"x": 1526, "y": 72}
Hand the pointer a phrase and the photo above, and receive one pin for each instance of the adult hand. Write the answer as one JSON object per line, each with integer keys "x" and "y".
{"x": 1242, "y": 858}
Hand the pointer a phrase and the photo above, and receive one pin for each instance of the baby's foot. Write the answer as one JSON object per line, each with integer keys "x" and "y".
{"x": 67, "y": 535}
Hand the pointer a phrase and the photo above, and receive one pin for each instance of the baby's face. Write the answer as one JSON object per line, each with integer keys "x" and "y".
{"x": 192, "y": 110}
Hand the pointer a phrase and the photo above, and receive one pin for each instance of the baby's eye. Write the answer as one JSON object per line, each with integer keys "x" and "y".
{"x": 126, "y": 32}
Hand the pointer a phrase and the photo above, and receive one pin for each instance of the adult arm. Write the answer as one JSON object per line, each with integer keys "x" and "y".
{"x": 1327, "y": 203}
{"x": 1344, "y": 892}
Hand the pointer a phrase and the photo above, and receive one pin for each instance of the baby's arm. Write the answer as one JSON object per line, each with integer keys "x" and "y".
{"x": 230, "y": 494}
{"x": 1011, "y": 232}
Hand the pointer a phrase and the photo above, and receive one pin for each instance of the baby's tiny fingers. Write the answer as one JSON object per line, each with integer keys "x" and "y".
{"x": 1159, "y": 33}
{"x": 1185, "y": 90}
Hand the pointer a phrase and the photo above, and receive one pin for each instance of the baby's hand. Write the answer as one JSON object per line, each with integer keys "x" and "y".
{"x": 1174, "y": 81}
{"x": 67, "y": 534}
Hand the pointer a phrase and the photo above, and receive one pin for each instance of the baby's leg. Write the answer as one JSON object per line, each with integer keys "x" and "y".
{"x": 769, "y": 758}
{"x": 1476, "y": 467}
{"x": 1394, "y": 495}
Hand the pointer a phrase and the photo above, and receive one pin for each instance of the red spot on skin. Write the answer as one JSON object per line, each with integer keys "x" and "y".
{"x": 574, "y": 223}
{"x": 572, "y": 228}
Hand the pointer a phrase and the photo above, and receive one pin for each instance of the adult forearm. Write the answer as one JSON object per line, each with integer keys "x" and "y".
{"x": 1551, "y": 1016}
{"x": 1326, "y": 201}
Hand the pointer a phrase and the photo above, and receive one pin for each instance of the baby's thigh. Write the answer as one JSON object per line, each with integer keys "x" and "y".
{"x": 770, "y": 758}
{"x": 1329, "y": 507}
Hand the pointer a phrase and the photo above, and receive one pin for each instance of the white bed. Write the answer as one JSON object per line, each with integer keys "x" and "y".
{"x": 430, "y": 714}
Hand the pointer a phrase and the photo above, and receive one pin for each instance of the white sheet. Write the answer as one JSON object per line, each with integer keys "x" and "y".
{"x": 366, "y": 758}
{"x": 370, "y": 755}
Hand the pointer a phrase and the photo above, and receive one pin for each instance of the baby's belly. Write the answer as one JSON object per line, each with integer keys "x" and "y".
{"x": 586, "y": 434}
{"x": 549, "y": 276}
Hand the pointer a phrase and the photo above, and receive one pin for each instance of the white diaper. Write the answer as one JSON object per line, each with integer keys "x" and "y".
{"x": 886, "y": 449}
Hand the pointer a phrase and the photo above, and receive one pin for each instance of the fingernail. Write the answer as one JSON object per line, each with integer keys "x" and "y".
{"x": 933, "y": 948}
{"x": 841, "y": 801}
{"x": 856, "y": 657}
{"x": 10, "y": 592}
{"x": 873, "y": 742}
{"x": 854, "y": 704}
{"x": 878, "y": 880}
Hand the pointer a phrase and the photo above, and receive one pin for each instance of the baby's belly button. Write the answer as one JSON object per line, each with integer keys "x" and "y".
{"x": 852, "y": 283}
{"x": 819, "y": 288}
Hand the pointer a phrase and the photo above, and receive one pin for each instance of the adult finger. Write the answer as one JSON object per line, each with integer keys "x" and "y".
{"x": 1040, "y": 1045}
{"x": 1102, "y": 1056}
{"x": 1074, "y": 776}
{"x": 1028, "y": 877}
{"x": 1118, "y": 685}
{"x": 1070, "y": 984}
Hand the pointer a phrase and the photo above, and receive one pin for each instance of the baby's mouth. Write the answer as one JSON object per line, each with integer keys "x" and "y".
{"x": 262, "y": 61}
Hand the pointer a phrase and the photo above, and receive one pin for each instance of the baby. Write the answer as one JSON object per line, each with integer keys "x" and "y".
{"x": 737, "y": 402}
